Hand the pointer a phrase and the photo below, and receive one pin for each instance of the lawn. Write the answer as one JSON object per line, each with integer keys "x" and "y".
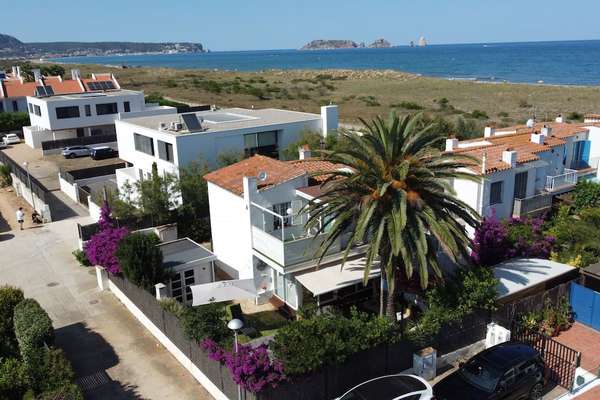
{"x": 265, "y": 322}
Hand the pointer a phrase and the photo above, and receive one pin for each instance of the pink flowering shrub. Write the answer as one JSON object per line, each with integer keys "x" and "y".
{"x": 102, "y": 247}
{"x": 496, "y": 241}
{"x": 251, "y": 367}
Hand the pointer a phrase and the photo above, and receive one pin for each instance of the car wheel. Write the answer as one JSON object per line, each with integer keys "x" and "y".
{"x": 536, "y": 392}
{"x": 71, "y": 155}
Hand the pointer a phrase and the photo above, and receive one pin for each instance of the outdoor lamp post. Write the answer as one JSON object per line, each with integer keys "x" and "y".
{"x": 235, "y": 325}
{"x": 26, "y": 165}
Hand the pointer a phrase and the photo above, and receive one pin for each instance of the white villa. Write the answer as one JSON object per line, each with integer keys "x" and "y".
{"x": 258, "y": 232}
{"x": 524, "y": 167}
{"x": 91, "y": 111}
{"x": 173, "y": 141}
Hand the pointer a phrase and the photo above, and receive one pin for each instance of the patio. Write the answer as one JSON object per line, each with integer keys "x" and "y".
{"x": 585, "y": 340}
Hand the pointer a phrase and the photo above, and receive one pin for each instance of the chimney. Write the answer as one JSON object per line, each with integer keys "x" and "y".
{"x": 560, "y": 119}
{"x": 451, "y": 144}
{"x": 510, "y": 157}
{"x": 75, "y": 74}
{"x": 37, "y": 74}
{"x": 537, "y": 138}
{"x": 489, "y": 132}
{"x": 304, "y": 152}
{"x": 484, "y": 162}
{"x": 15, "y": 71}
{"x": 546, "y": 130}
{"x": 329, "y": 118}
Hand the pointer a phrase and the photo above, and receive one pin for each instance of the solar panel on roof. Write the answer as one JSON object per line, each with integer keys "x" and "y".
{"x": 41, "y": 91}
{"x": 191, "y": 121}
{"x": 107, "y": 85}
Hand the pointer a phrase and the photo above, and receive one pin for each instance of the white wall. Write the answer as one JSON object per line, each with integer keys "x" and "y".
{"x": 230, "y": 228}
{"x": 594, "y": 138}
{"x": 68, "y": 188}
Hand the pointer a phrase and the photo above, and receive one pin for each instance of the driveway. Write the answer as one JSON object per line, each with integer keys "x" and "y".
{"x": 113, "y": 355}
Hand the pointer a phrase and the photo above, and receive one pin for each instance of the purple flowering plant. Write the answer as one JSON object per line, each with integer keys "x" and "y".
{"x": 102, "y": 247}
{"x": 251, "y": 367}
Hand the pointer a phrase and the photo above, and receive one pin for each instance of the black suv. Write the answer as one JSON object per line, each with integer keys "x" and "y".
{"x": 508, "y": 371}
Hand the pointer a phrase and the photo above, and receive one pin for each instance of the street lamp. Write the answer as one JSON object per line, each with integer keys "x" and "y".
{"x": 26, "y": 165}
{"x": 235, "y": 325}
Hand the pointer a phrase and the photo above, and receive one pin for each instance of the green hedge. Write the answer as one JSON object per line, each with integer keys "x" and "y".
{"x": 33, "y": 330}
{"x": 141, "y": 260}
{"x": 9, "y": 298}
{"x": 13, "y": 121}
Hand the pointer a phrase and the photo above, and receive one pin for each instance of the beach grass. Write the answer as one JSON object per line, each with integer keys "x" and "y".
{"x": 363, "y": 94}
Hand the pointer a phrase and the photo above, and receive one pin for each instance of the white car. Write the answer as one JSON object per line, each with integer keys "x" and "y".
{"x": 391, "y": 387}
{"x": 11, "y": 138}
{"x": 76, "y": 151}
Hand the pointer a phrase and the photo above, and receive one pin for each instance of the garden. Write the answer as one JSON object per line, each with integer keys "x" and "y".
{"x": 31, "y": 367}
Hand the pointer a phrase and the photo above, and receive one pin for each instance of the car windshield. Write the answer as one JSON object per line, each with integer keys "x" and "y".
{"x": 385, "y": 388}
{"x": 481, "y": 374}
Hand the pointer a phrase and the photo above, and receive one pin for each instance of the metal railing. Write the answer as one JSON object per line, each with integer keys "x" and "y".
{"x": 79, "y": 141}
{"x": 27, "y": 179}
{"x": 533, "y": 204}
{"x": 567, "y": 179}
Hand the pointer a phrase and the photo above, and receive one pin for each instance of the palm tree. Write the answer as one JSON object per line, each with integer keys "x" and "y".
{"x": 396, "y": 198}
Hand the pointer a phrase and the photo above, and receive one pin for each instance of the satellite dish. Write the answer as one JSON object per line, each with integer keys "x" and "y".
{"x": 289, "y": 211}
{"x": 262, "y": 176}
{"x": 530, "y": 123}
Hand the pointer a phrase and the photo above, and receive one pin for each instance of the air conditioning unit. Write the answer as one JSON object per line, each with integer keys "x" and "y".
{"x": 176, "y": 126}
{"x": 496, "y": 334}
{"x": 162, "y": 126}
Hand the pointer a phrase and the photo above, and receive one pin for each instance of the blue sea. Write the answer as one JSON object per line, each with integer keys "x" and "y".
{"x": 565, "y": 63}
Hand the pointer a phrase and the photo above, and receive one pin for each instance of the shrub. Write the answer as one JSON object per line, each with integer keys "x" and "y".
{"x": 490, "y": 243}
{"x": 81, "y": 258}
{"x": 576, "y": 236}
{"x": 9, "y": 298}
{"x": 408, "y": 105}
{"x": 206, "y": 321}
{"x": 524, "y": 104}
{"x": 226, "y": 158}
{"x": 443, "y": 103}
{"x": 173, "y": 306}
{"x": 13, "y": 121}
{"x": 102, "y": 247}
{"x": 250, "y": 367}
{"x": 551, "y": 320}
{"x": 503, "y": 114}
{"x": 58, "y": 377}
{"x": 329, "y": 340}
{"x": 575, "y": 116}
{"x": 5, "y": 177}
{"x": 478, "y": 114}
{"x": 586, "y": 194}
{"x": 14, "y": 379}
{"x": 141, "y": 260}
{"x": 307, "y": 137}
{"x": 33, "y": 330}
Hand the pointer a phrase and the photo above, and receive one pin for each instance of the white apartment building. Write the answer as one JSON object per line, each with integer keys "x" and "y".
{"x": 259, "y": 232}
{"x": 90, "y": 113}
{"x": 524, "y": 167}
{"x": 173, "y": 141}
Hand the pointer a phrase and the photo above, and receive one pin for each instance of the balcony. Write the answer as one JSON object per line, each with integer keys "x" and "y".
{"x": 284, "y": 239}
{"x": 532, "y": 205}
{"x": 562, "y": 182}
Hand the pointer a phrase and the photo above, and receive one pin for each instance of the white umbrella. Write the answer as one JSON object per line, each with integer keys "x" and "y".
{"x": 240, "y": 289}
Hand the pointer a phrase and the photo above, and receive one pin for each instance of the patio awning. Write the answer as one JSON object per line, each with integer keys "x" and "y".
{"x": 335, "y": 277}
{"x": 240, "y": 289}
{"x": 523, "y": 273}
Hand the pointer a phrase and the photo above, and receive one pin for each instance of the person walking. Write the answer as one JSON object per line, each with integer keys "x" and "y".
{"x": 20, "y": 217}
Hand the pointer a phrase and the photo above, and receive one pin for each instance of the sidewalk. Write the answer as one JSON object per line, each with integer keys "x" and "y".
{"x": 113, "y": 355}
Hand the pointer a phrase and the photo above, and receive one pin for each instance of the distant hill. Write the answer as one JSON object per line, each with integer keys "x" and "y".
{"x": 13, "y": 47}
{"x": 380, "y": 44}
{"x": 329, "y": 45}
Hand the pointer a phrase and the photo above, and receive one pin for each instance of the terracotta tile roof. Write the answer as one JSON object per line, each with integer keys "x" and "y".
{"x": 231, "y": 177}
{"x": 14, "y": 88}
{"x": 314, "y": 165}
{"x": 312, "y": 191}
{"x": 519, "y": 141}
{"x": 63, "y": 86}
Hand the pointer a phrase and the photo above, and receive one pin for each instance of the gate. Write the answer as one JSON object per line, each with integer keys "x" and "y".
{"x": 83, "y": 195}
{"x": 586, "y": 305}
{"x": 561, "y": 361}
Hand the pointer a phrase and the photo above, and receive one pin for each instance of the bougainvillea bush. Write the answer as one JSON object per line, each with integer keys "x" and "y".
{"x": 102, "y": 247}
{"x": 251, "y": 367}
{"x": 496, "y": 241}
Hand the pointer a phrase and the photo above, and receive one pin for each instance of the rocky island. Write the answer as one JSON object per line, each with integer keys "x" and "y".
{"x": 322, "y": 44}
{"x": 11, "y": 47}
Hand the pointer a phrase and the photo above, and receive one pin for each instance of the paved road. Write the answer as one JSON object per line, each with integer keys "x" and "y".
{"x": 112, "y": 353}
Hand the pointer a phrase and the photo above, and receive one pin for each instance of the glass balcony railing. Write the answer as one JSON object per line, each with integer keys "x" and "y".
{"x": 562, "y": 181}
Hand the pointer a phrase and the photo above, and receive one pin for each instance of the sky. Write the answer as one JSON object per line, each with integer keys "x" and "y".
{"x": 286, "y": 24}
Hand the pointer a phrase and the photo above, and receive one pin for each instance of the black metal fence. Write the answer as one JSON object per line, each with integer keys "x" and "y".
{"x": 79, "y": 141}
{"x": 561, "y": 361}
{"x": 73, "y": 176}
{"x": 21, "y": 173}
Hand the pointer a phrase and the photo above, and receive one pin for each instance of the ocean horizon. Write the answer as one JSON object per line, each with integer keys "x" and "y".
{"x": 556, "y": 63}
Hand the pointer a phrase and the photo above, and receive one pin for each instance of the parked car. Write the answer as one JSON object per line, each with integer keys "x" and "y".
{"x": 391, "y": 387}
{"x": 102, "y": 152}
{"x": 76, "y": 151}
{"x": 2, "y": 144}
{"x": 507, "y": 371}
{"x": 11, "y": 138}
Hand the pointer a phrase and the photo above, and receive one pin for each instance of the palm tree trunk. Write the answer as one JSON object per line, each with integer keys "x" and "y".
{"x": 382, "y": 295}
{"x": 390, "y": 309}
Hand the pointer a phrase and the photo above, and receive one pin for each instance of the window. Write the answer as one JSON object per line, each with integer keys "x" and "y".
{"x": 264, "y": 143}
{"x": 281, "y": 209}
{"x": 67, "y": 112}
{"x": 496, "y": 193}
{"x": 29, "y": 106}
{"x": 106, "y": 108}
{"x": 126, "y": 106}
{"x": 165, "y": 151}
{"x": 88, "y": 110}
{"x": 180, "y": 286}
{"x": 520, "y": 185}
{"x": 15, "y": 106}
{"x": 189, "y": 280}
{"x": 37, "y": 110}
{"x": 143, "y": 143}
